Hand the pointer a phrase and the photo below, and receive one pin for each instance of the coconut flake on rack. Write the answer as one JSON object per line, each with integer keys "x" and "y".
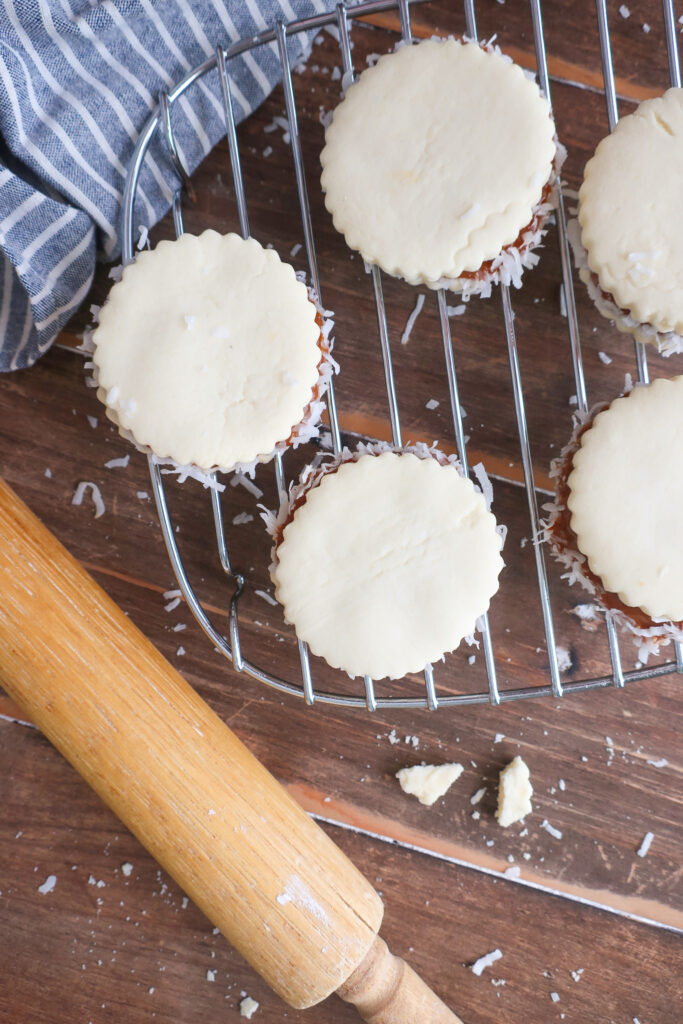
{"x": 456, "y": 310}
{"x": 79, "y": 494}
{"x": 410, "y": 322}
{"x": 244, "y": 481}
{"x": 143, "y": 240}
{"x": 185, "y": 472}
{"x": 432, "y": 404}
{"x": 265, "y": 596}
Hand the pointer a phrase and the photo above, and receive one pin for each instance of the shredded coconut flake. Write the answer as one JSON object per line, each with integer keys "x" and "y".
{"x": 659, "y": 763}
{"x": 484, "y": 483}
{"x": 265, "y": 596}
{"x": 127, "y": 869}
{"x": 644, "y": 847}
{"x": 432, "y": 404}
{"x": 244, "y": 481}
{"x": 410, "y": 323}
{"x": 242, "y": 518}
{"x": 564, "y": 658}
{"x": 555, "y": 997}
{"x": 624, "y": 11}
{"x": 143, "y": 240}
{"x": 485, "y": 961}
{"x": 93, "y": 421}
{"x": 456, "y": 310}
{"x": 48, "y": 885}
{"x": 120, "y": 463}
{"x": 79, "y": 494}
{"x": 550, "y": 829}
{"x": 478, "y": 795}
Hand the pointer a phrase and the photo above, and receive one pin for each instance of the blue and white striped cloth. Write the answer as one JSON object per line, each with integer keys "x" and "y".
{"x": 78, "y": 79}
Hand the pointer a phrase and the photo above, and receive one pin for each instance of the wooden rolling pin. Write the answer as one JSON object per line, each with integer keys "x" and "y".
{"x": 260, "y": 869}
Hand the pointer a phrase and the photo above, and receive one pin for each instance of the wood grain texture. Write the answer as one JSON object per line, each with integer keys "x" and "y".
{"x": 106, "y": 947}
{"x": 617, "y": 754}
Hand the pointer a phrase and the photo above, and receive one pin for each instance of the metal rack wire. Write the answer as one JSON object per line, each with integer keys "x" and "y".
{"x": 161, "y": 120}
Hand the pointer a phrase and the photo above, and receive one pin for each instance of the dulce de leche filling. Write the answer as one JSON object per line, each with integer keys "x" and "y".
{"x": 563, "y": 538}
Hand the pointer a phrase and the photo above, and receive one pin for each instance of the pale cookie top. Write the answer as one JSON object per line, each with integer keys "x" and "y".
{"x": 436, "y": 158}
{"x": 631, "y": 210}
{"x": 207, "y": 350}
{"x": 626, "y": 496}
{"x": 388, "y": 564}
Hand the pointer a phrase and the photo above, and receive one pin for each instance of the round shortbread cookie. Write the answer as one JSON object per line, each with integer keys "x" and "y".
{"x": 630, "y": 210}
{"x": 207, "y": 351}
{"x": 387, "y": 564}
{"x": 626, "y": 494}
{"x": 436, "y": 158}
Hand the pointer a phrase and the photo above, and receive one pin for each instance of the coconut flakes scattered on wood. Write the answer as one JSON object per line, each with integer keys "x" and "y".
{"x": 645, "y": 845}
{"x": 119, "y": 463}
{"x": 485, "y": 961}
{"x": 79, "y": 494}
{"x": 550, "y": 829}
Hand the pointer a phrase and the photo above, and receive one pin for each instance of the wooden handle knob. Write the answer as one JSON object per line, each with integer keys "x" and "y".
{"x": 385, "y": 990}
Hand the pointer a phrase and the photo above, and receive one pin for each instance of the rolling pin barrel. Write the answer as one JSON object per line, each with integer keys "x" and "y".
{"x": 260, "y": 869}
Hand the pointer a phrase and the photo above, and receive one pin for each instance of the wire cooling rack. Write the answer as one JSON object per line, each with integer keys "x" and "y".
{"x": 162, "y": 121}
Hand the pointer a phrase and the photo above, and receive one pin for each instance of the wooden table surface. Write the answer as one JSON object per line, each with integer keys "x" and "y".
{"x": 587, "y": 920}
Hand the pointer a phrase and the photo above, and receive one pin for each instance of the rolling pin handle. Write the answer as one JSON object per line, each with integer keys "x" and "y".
{"x": 385, "y": 990}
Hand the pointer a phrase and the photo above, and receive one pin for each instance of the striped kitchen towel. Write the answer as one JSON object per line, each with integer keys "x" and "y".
{"x": 78, "y": 79}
